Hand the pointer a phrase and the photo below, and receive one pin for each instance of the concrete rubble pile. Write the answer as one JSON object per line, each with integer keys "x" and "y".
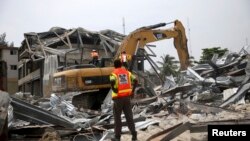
{"x": 213, "y": 93}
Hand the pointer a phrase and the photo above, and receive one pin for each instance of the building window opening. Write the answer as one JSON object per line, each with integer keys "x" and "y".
{"x": 13, "y": 52}
{"x": 13, "y": 67}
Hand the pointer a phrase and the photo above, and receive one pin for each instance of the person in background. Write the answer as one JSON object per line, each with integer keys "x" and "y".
{"x": 95, "y": 56}
{"x": 122, "y": 90}
{"x": 124, "y": 59}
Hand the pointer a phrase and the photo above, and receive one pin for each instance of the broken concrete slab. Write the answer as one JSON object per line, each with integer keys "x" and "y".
{"x": 237, "y": 96}
{"x": 28, "y": 112}
{"x": 4, "y": 105}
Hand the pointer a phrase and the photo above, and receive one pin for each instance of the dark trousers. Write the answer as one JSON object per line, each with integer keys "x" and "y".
{"x": 123, "y": 104}
{"x": 95, "y": 61}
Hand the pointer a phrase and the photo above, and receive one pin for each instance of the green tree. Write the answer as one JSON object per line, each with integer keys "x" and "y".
{"x": 169, "y": 66}
{"x": 207, "y": 53}
{"x": 3, "y": 41}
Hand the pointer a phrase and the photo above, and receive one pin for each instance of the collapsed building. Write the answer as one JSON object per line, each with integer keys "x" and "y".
{"x": 41, "y": 54}
{"x": 213, "y": 93}
{"x": 206, "y": 93}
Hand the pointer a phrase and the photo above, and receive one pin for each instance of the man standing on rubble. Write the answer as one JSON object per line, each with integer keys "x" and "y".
{"x": 121, "y": 84}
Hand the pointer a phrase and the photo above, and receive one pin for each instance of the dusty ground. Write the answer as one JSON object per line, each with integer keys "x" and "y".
{"x": 171, "y": 120}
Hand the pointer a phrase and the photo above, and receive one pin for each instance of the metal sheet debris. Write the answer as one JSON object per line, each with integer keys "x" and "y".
{"x": 205, "y": 94}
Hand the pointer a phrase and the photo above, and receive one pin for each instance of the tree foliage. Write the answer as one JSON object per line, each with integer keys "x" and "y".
{"x": 3, "y": 41}
{"x": 207, "y": 53}
{"x": 192, "y": 61}
{"x": 168, "y": 66}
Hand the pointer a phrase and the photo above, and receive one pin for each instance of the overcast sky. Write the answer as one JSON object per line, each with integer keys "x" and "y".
{"x": 212, "y": 23}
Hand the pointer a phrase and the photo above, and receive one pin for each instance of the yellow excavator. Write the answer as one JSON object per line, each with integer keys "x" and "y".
{"x": 90, "y": 84}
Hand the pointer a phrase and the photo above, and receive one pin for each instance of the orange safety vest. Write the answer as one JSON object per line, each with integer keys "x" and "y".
{"x": 123, "y": 83}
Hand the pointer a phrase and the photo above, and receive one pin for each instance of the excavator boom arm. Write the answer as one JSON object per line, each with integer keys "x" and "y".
{"x": 140, "y": 37}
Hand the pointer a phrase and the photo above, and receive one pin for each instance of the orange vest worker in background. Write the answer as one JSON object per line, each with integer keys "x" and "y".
{"x": 95, "y": 56}
{"x": 124, "y": 59}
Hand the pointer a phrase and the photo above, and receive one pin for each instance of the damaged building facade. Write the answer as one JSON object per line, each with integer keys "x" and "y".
{"x": 41, "y": 54}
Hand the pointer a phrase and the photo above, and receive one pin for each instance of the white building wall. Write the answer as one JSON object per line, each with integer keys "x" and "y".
{"x": 12, "y": 60}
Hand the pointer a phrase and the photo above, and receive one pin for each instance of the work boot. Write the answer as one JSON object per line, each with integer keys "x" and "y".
{"x": 134, "y": 136}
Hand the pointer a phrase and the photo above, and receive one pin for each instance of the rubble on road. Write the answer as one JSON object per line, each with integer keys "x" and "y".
{"x": 4, "y": 104}
{"x": 214, "y": 93}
